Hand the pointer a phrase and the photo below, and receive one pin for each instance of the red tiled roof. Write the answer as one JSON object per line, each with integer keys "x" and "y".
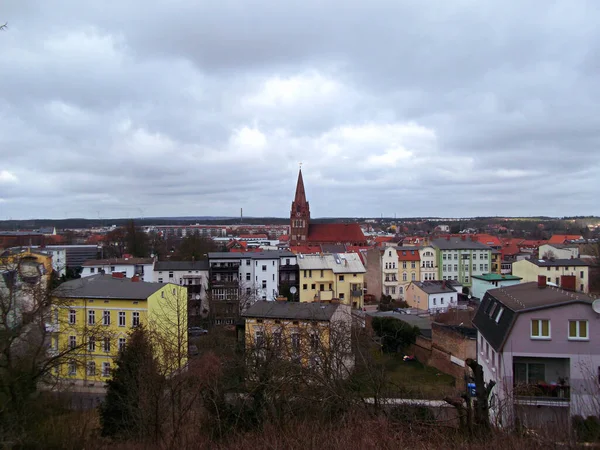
{"x": 510, "y": 250}
{"x": 530, "y": 243}
{"x": 94, "y": 239}
{"x": 335, "y": 232}
{"x": 562, "y": 238}
{"x": 284, "y": 237}
{"x": 409, "y": 255}
{"x": 488, "y": 239}
{"x": 305, "y": 249}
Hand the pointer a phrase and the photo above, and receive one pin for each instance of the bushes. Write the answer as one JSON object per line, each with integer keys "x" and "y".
{"x": 587, "y": 430}
{"x": 395, "y": 334}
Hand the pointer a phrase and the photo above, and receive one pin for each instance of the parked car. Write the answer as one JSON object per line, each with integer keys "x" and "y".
{"x": 197, "y": 331}
{"x": 402, "y": 310}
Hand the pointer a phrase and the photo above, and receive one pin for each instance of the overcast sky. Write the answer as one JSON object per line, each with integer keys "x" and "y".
{"x": 415, "y": 108}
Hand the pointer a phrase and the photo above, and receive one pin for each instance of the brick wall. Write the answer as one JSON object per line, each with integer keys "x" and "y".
{"x": 373, "y": 275}
{"x": 421, "y": 349}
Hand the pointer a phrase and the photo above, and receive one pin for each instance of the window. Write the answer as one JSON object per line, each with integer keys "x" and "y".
{"x": 310, "y": 274}
{"x": 442, "y": 300}
{"x": 466, "y": 279}
{"x": 287, "y": 262}
{"x": 581, "y": 287}
{"x": 248, "y": 277}
{"x": 434, "y": 301}
{"x": 444, "y": 256}
{"x": 578, "y": 330}
{"x": 91, "y": 317}
{"x": 106, "y": 369}
{"x": 474, "y": 267}
{"x": 248, "y": 291}
{"x": 72, "y": 369}
{"x": 581, "y": 274}
{"x": 315, "y": 342}
{"x": 107, "y": 344}
{"x": 121, "y": 343}
{"x": 72, "y": 316}
{"x": 295, "y": 340}
{"x": 72, "y": 341}
{"x": 481, "y": 267}
{"x": 112, "y": 268}
{"x": 264, "y": 284}
{"x": 529, "y": 373}
{"x": 160, "y": 280}
{"x": 264, "y": 268}
{"x": 499, "y": 315}
{"x": 135, "y": 319}
{"x": 413, "y": 265}
{"x": 485, "y": 267}
{"x": 342, "y": 296}
{"x": 91, "y": 369}
{"x": 404, "y": 277}
{"x": 456, "y": 267}
{"x": 444, "y": 267}
{"x": 305, "y": 286}
{"x": 247, "y": 262}
{"x": 404, "y": 264}
{"x": 455, "y": 256}
{"x": 121, "y": 318}
{"x": 413, "y": 276}
{"x": 341, "y": 277}
{"x": 259, "y": 338}
{"x": 313, "y": 286}
{"x": 493, "y": 358}
{"x": 171, "y": 274}
{"x": 540, "y": 329}
{"x": 92, "y": 270}
{"x": 106, "y": 318}
{"x": 487, "y": 350}
{"x": 92, "y": 344}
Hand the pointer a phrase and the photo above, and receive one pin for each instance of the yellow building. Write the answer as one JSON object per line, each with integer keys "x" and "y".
{"x": 409, "y": 267}
{"x": 92, "y": 318}
{"x": 554, "y": 270}
{"x": 325, "y": 277}
{"x": 496, "y": 261}
{"x": 313, "y": 334}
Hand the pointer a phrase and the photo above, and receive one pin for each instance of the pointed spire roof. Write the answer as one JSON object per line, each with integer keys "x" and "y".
{"x": 300, "y": 198}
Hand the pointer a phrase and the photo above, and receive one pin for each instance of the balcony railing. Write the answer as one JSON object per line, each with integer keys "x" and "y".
{"x": 542, "y": 392}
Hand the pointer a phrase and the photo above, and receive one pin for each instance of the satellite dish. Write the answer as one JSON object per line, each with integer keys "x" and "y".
{"x": 469, "y": 297}
{"x": 596, "y": 306}
{"x": 197, "y": 296}
{"x": 293, "y": 289}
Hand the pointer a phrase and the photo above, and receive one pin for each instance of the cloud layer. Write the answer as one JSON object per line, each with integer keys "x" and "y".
{"x": 463, "y": 108}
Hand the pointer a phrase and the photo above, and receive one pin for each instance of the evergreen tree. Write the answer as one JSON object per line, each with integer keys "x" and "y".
{"x": 131, "y": 407}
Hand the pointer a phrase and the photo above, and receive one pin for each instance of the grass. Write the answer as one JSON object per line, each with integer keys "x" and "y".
{"x": 414, "y": 380}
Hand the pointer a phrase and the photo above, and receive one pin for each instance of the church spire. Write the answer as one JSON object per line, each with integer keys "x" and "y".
{"x": 300, "y": 198}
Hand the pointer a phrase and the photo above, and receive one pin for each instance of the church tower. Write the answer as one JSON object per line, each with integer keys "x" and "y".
{"x": 299, "y": 215}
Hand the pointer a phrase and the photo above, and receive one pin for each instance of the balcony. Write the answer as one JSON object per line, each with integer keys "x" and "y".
{"x": 224, "y": 267}
{"x": 541, "y": 381}
{"x": 324, "y": 296}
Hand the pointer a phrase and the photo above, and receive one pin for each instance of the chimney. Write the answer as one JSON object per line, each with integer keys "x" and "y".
{"x": 118, "y": 275}
{"x": 473, "y": 237}
{"x": 448, "y": 237}
{"x": 541, "y": 281}
{"x": 135, "y": 278}
{"x": 443, "y": 284}
{"x": 568, "y": 282}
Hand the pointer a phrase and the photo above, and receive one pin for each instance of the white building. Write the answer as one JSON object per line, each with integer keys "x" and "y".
{"x": 143, "y": 267}
{"x": 558, "y": 251}
{"x": 428, "y": 263}
{"x": 433, "y": 296}
{"x": 389, "y": 272}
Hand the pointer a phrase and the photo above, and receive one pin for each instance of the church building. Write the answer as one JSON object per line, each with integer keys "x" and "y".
{"x": 302, "y": 232}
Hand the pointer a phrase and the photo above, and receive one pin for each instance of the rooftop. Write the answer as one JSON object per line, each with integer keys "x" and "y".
{"x": 458, "y": 244}
{"x": 181, "y": 265}
{"x": 107, "y": 287}
{"x": 560, "y": 262}
{"x": 435, "y": 286}
{"x": 335, "y": 232}
{"x": 267, "y": 254}
{"x": 337, "y": 262}
{"x": 496, "y": 277}
{"x": 291, "y": 310}
{"x": 118, "y": 262}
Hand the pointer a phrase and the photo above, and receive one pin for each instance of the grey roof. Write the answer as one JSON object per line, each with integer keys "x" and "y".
{"x": 181, "y": 265}
{"x": 267, "y": 254}
{"x": 118, "y": 261}
{"x": 435, "y": 287}
{"x": 517, "y": 299}
{"x": 106, "y": 287}
{"x": 291, "y": 310}
{"x": 458, "y": 244}
{"x": 337, "y": 262}
{"x": 560, "y": 262}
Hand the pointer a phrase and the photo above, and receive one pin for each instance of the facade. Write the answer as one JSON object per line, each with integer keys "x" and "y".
{"x": 389, "y": 272}
{"x": 332, "y": 277}
{"x": 373, "y": 279}
{"x": 485, "y": 282}
{"x": 541, "y": 345}
{"x": 558, "y": 251}
{"x": 311, "y": 334}
{"x": 194, "y": 275}
{"x": 554, "y": 271}
{"x": 94, "y": 315}
{"x": 142, "y": 267}
{"x": 432, "y": 296}
{"x": 460, "y": 258}
{"x": 302, "y": 232}
{"x": 409, "y": 267}
{"x": 429, "y": 267}
{"x": 239, "y": 279}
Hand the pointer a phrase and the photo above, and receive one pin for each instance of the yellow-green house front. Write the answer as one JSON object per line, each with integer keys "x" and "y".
{"x": 325, "y": 277}
{"x": 93, "y": 317}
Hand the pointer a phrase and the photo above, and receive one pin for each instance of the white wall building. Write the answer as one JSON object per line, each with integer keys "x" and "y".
{"x": 558, "y": 251}
{"x": 389, "y": 272}
{"x": 143, "y": 267}
{"x": 428, "y": 263}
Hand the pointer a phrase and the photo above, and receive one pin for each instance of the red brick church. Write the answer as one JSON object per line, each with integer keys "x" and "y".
{"x": 302, "y": 232}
